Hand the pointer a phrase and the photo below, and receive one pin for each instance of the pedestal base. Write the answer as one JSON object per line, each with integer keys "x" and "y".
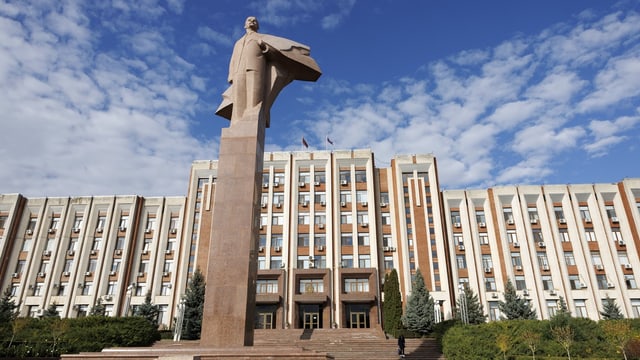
{"x": 197, "y": 353}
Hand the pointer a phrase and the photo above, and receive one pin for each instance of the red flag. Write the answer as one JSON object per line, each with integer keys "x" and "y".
{"x": 305, "y": 143}
{"x": 329, "y": 141}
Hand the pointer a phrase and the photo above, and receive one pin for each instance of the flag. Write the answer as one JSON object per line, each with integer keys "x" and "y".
{"x": 305, "y": 143}
{"x": 329, "y": 141}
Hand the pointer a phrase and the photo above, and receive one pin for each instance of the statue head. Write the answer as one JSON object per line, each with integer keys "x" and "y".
{"x": 251, "y": 23}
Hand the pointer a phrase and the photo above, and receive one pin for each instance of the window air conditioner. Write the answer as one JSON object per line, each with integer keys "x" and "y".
{"x": 93, "y": 252}
{"x": 277, "y": 248}
{"x": 112, "y": 273}
{"x": 599, "y": 267}
{"x": 516, "y": 244}
{"x": 534, "y": 221}
{"x": 145, "y": 252}
{"x": 393, "y": 249}
{"x": 99, "y": 230}
{"x": 51, "y": 231}
{"x": 41, "y": 274}
{"x": 518, "y": 267}
{"x": 610, "y": 285}
{"x": 118, "y": 252}
{"x": 545, "y": 267}
{"x": 588, "y": 221}
{"x": 166, "y": 273}
{"x": 29, "y": 232}
{"x": 583, "y": 286}
{"x": 386, "y": 248}
{"x": 344, "y": 182}
{"x": 66, "y": 273}
{"x": 265, "y": 185}
{"x": 364, "y": 224}
{"x": 383, "y": 204}
{"x": 320, "y": 226}
{"x": 322, "y": 203}
{"x": 456, "y": 225}
{"x": 552, "y": 292}
{"x": 140, "y": 274}
{"x": 278, "y": 205}
{"x": 301, "y": 184}
{"x": 525, "y": 292}
{"x": 76, "y": 230}
{"x": 46, "y": 253}
{"x": 562, "y": 221}
{"x": 15, "y": 275}
{"x": 541, "y": 244}
{"x": 621, "y": 243}
{"x": 343, "y": 204}
{"x": 147, "y": 231}
{"x": 487, "y": 270}
{"x": 482, "y": 225}
{"x": 263, "y": 205}
{"x": 107, "y": 298}
{"x": 305, "y": 203}
{"x": 321, "y": 248}
{"x": 317, "y": 183}
{"x": 261, "y": 248}
{"x": 71, "y": 252}
{"x": 174, "y": 230}
{"x": 627, "y": 266}
{"x": 494, "y": 295}
{"x": 461, "y": 247}
{"x": 510, "y": 222}
{"x": 168, "y": 251}
{"x": 614, "y": 219}
{"x": 88, "y": 273}
{"x": 282, "y": 265}
{"x": 122, "y": 228}
{"x": 364, "y": 203}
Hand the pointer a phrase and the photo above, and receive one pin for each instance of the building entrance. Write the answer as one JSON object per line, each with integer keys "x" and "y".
{"x": 265, "y": 317}
{"x": 310, "y": 316}
{"x": 357, "y": 316}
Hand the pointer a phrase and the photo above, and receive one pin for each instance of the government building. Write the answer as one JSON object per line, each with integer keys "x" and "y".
{"x": 332, "y": 224}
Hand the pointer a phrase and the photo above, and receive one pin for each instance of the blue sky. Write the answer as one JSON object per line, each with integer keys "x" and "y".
{"x": 118, "y": 97}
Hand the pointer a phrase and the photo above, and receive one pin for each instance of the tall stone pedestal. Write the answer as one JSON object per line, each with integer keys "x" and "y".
{"x": 229, "y": 306}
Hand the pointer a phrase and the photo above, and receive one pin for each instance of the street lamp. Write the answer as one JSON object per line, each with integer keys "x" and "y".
{"x": 177, "y": 332}
{"x": 463, "y": 305}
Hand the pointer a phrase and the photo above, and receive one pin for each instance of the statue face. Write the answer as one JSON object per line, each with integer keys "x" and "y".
{"x": 251, "y": 23}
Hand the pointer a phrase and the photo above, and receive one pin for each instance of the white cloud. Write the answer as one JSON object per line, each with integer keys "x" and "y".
{"x": 608, "y": 133}
{"x": 333, "y": 20}
{"x": 207, "y": 33}
{"x": 619, "y": 80}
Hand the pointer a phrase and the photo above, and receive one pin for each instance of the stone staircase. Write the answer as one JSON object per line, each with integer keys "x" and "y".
{"x": 349, "y": 344}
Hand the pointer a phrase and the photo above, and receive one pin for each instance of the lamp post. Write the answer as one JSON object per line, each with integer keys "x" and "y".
{"x": 177, "y": 332}
{"x": 463, "y": 305}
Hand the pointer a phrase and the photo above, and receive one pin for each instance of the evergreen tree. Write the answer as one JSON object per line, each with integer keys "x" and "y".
{"x": 8, "y": 312}
{"x": 392, "y": 306}
{"x": 562, "y": 315}
{"x": 99, "y": 309}
{"x": 51, "y": 312}
{"x": 610, "y": 310}
{"x": 515, "y": 307}
{"x": 419, "y": 315}
{"x": 193, "y": 303}
{"x": 148, "y": 310}
{"x": 475, "y": 312}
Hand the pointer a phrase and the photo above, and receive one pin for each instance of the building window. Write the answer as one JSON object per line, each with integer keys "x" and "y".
{"x": 508, "y": 215}
{"x": 480, "y": 217}
{"x": 111, "y": 288}
{"x": 345, "y": 197}
{"x": 558, "y": 212}
{"x": 304, "y": 198}
{"x": 611, "y": 211}
{"x": 384, "y": 197}
{"x": 86, "y": 288}
{"x": 457, "y": 239}
{"x": 455, "y": 217}
{"x": 363, "y": 239}
{"x": 533, "y": 215}
{"x": 55, "y": 223}
{"x": 168, "y": 266}
{"x": 320, "y": 240}
{"x": 345, "y": 176}
{"x": 364, "y": 261}
{"x": 278, "y": 178}
{"x": 487, "y": 262}
{"x": 319, "y": 177}
{"x": 26, "y": 244}
{"x": 363, "y": 218}
{"x": 62, "y": 289}
{"x": 278, "y": 198}
{"x": 304, "y": 261}
{"x": 623, "y": 258}
{"x": 630, "y": 281}
{"x": 590, "y": 235}
{"x": 543, "y": 261}
{"x": 521, "y": 284}
{"x": 346, "y": 239}
{"x": 516, "y": 260}
{"x": 552, "y": 307}
{"x": 346, "y": 261}
{"x": 267, "y": 286}
{"x": 262, "y": 263}
{"x": 37, "y": 290}
{"x": 346, "y": 218}
{"x": 574, "y": 282}
{"x": 361, "y": 176}
{"x": 276, "y": 241}
{"x": 596, "y": 260}
{"x": 494, "y": 311}
{"x": 91, "y": 267}
{"x": 102, "y": 222}
{"x": 119, "y": 243}
{"x": 569, "y": 259}
{"x": 356, "y": 285}
{"x": 304, "y": 177}
{"x": 386, "y": 219}
{"x": 617, "y": 235}
{"x": 461, "y": 261}
{"x": 276, "y": 262}
{"x": 484, "y": 238}
{"x": 564, "y": 235}
{"x": 320, "y": 198}
{"x": 537, "y": 236}
{"x": 96, "y": 243}
{"x": 162, "y": 313}
{"x": 310, "y": 286}
{"x": 320, "y": 262}
{"x": 277, "y": 219}
{"x": 581, "y": 308}
{"x": 490, "y": 284}
{"x": 303, "y": 240}
{"x": 547, "y": 282}
{"x": 3, "y": 221}
{"x": 585, "y": 215}
{"x": 635, "y": 307}
{"x": 387, "y": 240}
{"x": 512, "y": 237}
{"x": 601, "y": 279}
{"x": 20, "y": 266}
{"x": 303, "y": 219}
{"x": 388, "y": 262}
{"x": 361, "y": 196}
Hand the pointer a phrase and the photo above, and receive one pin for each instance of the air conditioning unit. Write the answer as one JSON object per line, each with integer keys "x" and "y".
{"x": 610, "y": 285}
{"x": 621, "y": 243}
{"x": 140, "y": 274}
{"x": 364, "y": 224}
{"x": 392, "y": 249}
{"x": 615, "y": 219}
{"x": 93, "y": 252}
{"x": 494, "y": 295}
{"x": 29, "y": 232}
{"x": 518, "y": 267}
{"x": 583, "y": 286}
{"x": 261, "y": 249}
{"x": 552, "y": 292}
{"x": 545, "y": 267}
{"x": 541, "y": 244}
{"x": 344, "y": 182}
{"x": 364, "y": 203}
{"x": 510, "y": 222}
{"x": 107, "y": 298}
{"x": 168, "y": 251}
{"x": 461, "y": 247}
{"x": 322, "y": 203}
{"x": 46, "y": 253}
{"x": 263, "y": 205}
{"x": 278, "y": 205}
{"x": 456, "y": 225}
{"x": 343, "y": 204}
{"x": 525, "y": 292}
{"x": 15, "y": 275}
{"x": 305, "y": 203}
{"x": 312, "y": 265}
{"x": 320, "y": 226}
{"x": 321, "y": 248}
{"x": 166, "y": 273}
{"x": 39, "y": 311}
{"x": 265, "y": 185}
{"x": 534, "y": 221}
{"x": 112, "y": 273}
{"x": 71, "y": 252}
{"x": 301, "y": 184}
{"x": 588, "y": 221}
{"x": 277, "y": 248}
{"x": 386, "y": 248}
{"x": 562, "y": 221}
{"x": 41, "y": 274}
{"x": 147, "y": 231}
{"x": 99, "y": 230}
{"x": 122, "y": 228}
{"x": 118, "y": 252}
{"x": 174, "y": 230}
{"x": 145, "y": 252}
{"x": 261, "y": 227}
{"x": 627, "y": 266}
{"x": 283, "y": 265}
{"x": 482, "y": 225}
{"x": 317, "y": 183}
{"x": 488, "y": 270}
{"x": 56, "y": 285}
{"x": 51, "y": 231}
{"x": 516, "y": 244}
{"x": 88, "y": 273}
{"x": 76, "y": 230}
{"x": 383, "y": 204}
{"x": 599, "y": 267}
{"x": 66, "y": 273}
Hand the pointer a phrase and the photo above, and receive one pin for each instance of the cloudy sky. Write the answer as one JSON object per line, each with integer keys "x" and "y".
{"x": 118, "y": 96}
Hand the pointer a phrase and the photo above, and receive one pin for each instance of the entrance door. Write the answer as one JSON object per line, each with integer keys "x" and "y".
{"x": 264, "y": 321}
{"x": 359, "y": 319}
{"x": 310, "y": 316}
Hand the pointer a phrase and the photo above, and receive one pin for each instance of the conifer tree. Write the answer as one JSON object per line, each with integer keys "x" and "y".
{"x": 99, "y": 309}
{"x": 475, "y": 312}
{"x": 51, "y": 311}
{"x": 148, "y": 310}
{"x": 419, "y": 315}
{"x": 392, "y": 306}
{"x": 610, "y": 310}
{"x": 193, "y": 303}
{"x": 8, "y": 313}
{"x": 515, "y": 307}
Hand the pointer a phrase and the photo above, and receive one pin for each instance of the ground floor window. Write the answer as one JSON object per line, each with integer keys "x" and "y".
{"x": 357, "y": 315}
